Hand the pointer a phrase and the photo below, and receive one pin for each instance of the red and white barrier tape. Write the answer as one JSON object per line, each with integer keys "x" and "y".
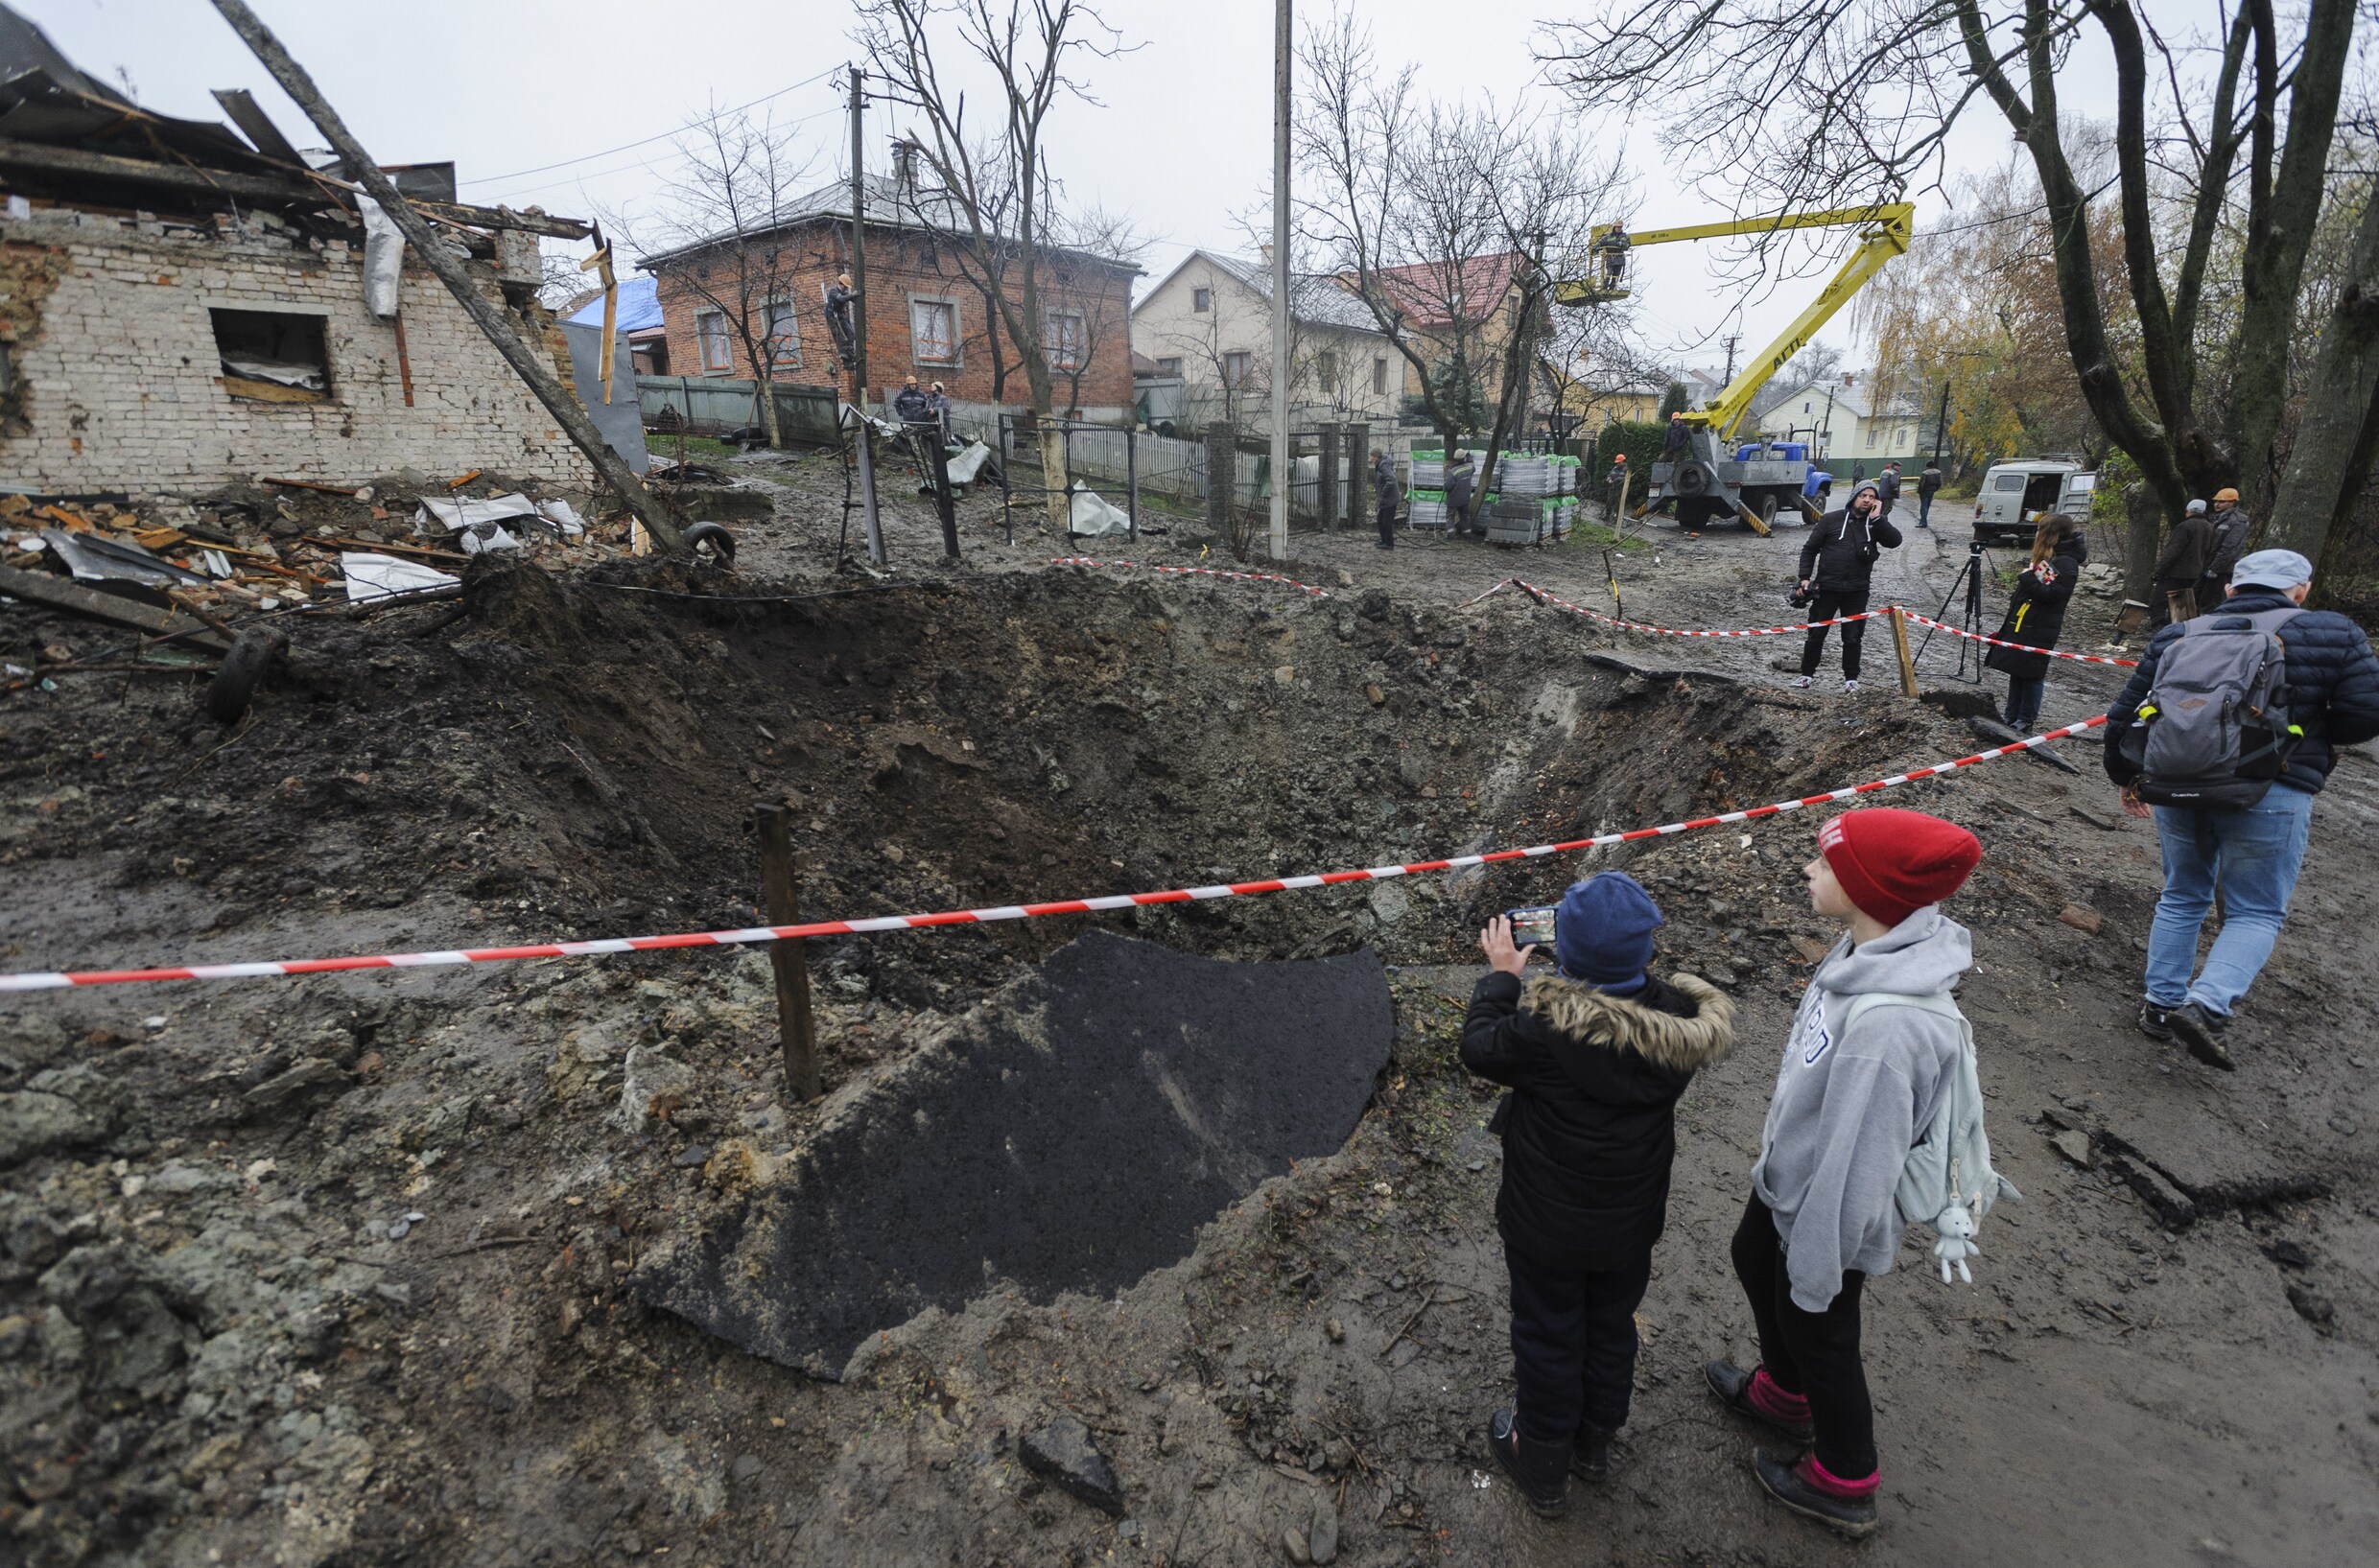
{"x": 1672, "y": 631}
{"x": 1193, "y": 571}
{"x": 53, "y": 980}
{"x": 2025, "y": 647}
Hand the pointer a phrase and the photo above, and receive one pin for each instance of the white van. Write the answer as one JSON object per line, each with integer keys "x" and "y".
{"x": 2016, "y": 494}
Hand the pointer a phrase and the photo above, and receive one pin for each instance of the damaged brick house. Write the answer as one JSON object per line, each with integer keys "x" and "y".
{"x": 181, "y": 310}
{"x": 930, "y": 313}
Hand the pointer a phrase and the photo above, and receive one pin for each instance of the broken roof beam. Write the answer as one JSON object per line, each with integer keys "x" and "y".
{"x": 316, "y": 190}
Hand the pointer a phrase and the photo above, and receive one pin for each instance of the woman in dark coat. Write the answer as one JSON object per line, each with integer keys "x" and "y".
{"x": 2037, "y": 614}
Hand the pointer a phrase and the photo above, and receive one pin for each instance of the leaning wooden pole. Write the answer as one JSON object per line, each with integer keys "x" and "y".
{"x": 559, "y": 400}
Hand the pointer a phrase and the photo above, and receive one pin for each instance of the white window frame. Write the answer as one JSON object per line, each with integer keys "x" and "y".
{"x": 957, "y": 332}
{"x": 710, "y": 325}
{"x": 1380, "y": 375}
{"x": 1169, "y": 366}
{"x": 1201, "y": 301}
{"x": 784, "y": 332}
{"x": 1064, "y": 354}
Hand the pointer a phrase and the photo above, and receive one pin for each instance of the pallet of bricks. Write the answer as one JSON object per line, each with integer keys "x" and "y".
{"x": 1428, "y": 496}
{"x": 1540, "y": 500}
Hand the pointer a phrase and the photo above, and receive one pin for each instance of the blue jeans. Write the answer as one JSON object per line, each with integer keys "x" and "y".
{"x": 2255, "y": 855}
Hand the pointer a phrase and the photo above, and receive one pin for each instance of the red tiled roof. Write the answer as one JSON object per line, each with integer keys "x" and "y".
{"x": 1421, "y": 290}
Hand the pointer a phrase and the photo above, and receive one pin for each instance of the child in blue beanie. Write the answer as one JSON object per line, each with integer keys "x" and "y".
{"x": 1594, "y": 1058}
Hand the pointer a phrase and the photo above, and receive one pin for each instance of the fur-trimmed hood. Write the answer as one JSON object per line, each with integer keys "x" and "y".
{"x": 1665, "y": 1040}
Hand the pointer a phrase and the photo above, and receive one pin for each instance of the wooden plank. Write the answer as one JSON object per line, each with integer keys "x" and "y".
{"x": 269, "y": 392}
{"x": 780, "y": 891}
{"x": 66, "y": 594}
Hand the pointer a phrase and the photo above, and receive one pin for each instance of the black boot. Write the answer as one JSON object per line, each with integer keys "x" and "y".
{"x": 1734, "y": 1387}
{"x": 2200, "y": 1033}
{"x": 1591, "y": 1458}
{"x": 1785, "y": 1481}
{"x": 1541, "y": 1470}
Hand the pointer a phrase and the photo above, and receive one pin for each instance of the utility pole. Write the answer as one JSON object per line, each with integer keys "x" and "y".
{"x": 1826, "y": 430}
{"x": 1940, "y": 425}
{"x": 1282, "y": 46}
{"x": 864, "y": 434}
{"x": 1732, "y": 338}
{"x": 858, "y": 239}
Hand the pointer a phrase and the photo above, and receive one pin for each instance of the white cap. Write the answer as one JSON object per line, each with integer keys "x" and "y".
{"x": 2195, "y": 508}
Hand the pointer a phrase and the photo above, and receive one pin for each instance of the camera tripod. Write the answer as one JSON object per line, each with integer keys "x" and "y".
{"x": 1969, "y": 579}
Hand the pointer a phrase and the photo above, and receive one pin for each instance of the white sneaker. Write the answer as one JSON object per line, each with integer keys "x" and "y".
{"x": 1802, "y": 683}
{"x": 1849, "y": 685}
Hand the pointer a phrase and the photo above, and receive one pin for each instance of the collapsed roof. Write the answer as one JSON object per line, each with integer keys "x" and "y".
{"x": 68, "y": 139}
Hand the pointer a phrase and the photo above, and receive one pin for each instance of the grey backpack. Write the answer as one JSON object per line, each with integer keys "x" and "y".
{"x": 2215, "y": 732}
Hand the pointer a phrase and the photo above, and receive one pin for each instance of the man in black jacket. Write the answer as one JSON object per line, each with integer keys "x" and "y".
{"x": 1928, "y": 486}
{"x": 2255, "y": 851}
{"x": 1595, "y": 1059}
{"x": 1888, "y": 486}
{"x": 1837, "y": 561}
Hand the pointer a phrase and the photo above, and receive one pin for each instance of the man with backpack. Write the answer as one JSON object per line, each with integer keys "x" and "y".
{"x": 1876, "y": 1120}
{"x": 2224, "y": 736}
{"x": 1928, "y": 486}
{"x": 1888, "y": 486}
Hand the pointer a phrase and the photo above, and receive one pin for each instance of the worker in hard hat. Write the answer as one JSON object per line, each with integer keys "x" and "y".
{"x": 2230, "y": 528}
{"x": 1612, "y": 248}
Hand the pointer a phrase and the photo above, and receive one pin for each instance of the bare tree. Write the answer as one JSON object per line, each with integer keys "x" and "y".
{"x": 718, "y": 219}
{"x": 1451, "y": 221}
{"x": 2230, "y": 136}
{"x": 1025, "y": 51}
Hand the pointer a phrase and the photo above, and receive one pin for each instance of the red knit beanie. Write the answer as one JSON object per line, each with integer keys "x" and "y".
{"x": 1893, "y": 863}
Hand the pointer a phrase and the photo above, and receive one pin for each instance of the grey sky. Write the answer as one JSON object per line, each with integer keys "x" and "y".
{"x": 1181, "y": 138}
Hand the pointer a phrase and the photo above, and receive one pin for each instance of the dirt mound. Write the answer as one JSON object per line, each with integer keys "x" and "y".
{"x": 1070, "y": 1133}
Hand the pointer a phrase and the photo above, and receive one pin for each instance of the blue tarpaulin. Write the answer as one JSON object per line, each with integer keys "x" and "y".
{"x": 640, "y": 307}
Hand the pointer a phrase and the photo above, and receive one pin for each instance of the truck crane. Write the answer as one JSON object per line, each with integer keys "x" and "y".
{"x": 1754, "y": 480}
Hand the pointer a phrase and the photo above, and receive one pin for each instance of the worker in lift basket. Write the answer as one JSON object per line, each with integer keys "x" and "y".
{"x": 1612, "y": 248}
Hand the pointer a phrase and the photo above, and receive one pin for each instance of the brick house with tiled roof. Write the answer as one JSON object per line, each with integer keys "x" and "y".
{"x": 927, "y": 316}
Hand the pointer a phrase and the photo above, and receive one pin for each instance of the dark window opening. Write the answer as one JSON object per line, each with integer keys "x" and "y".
{"x": 272, "y": 356}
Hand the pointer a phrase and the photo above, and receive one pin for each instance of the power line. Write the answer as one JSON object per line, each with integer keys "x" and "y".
{"x": 589, "y": 157}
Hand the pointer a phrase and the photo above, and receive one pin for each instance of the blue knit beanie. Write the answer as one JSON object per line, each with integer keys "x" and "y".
{"x": 1603, "y": 931}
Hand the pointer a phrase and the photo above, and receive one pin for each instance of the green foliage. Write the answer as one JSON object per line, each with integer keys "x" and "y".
{"x": 1672, "y": 401}
{"x": 1460, "y": 394}
{"x": 1641, "y": 442}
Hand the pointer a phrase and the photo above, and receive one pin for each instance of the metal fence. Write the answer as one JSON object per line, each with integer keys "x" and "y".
{"x": 712, "y": 406}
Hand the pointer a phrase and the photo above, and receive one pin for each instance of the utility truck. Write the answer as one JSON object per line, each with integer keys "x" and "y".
{"x": 1721, "y": 476}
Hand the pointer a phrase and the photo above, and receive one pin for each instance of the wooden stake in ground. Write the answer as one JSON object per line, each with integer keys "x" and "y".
{"x": 559, "y": 401}
{"x": 1899, "y": 646}
{"x": 782, "y": 893}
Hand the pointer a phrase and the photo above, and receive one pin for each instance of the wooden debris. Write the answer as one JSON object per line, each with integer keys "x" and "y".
{"x": 308, "y": 484}
{"x": 66, "y": 594}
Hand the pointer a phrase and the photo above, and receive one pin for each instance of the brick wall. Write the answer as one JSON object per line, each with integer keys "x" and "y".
{"x": 119, "y": 384}
{"x": 902, "y": 269}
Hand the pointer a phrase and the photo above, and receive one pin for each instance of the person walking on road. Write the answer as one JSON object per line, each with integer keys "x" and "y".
{"x": 1837, "y": 562}
{"x": 1928, "y": 486}
{"x": 2181, "y": 562}
{"x": 1460, "y": 473}
{"x": 2037, "y": 615}
{"x": 2253, "y": 850}
{"x": 1861, "y": 1082}
{"x": 1888, "y": 486}
{"x": 1594, "y": 1059}
{"x": 1389, "y": 493}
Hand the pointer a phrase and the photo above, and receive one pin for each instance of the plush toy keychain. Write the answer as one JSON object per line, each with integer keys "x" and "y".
{"x": 1957, "y": 1242}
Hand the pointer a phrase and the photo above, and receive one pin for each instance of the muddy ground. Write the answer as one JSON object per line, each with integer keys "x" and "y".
{"x": 224, "y": 1337}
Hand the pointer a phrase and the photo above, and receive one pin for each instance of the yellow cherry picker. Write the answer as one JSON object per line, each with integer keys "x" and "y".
{"x": 1755, "y": 479}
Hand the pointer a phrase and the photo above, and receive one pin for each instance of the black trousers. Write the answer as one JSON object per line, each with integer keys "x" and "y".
{"x": 1573, "y": 1345}
{"x": 2024, "y": 694}
{"x": 1814, "y": 1354}
{"x": 1832, "y": 603}
{"x": 1387, "y": 524}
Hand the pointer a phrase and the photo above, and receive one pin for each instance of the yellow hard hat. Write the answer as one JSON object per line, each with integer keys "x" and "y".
{"x": 2225, "y": 493}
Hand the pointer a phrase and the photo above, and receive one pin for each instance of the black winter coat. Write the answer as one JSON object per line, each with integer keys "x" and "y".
{"x": 2333, "y": 688}
{"x": 1839, "y": 556}
{"x": 1589, "y": 1128}
{"x": 2037, "y": 612}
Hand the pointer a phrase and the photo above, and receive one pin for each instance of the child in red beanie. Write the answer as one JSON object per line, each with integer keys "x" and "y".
{"x": 1852, "y": 1097}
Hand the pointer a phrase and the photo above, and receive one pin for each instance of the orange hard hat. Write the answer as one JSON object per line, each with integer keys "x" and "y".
{"x": 1620, "y": 458}
{"x": 2225, "y": 493}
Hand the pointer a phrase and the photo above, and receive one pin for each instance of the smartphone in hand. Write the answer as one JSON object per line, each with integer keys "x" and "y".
{"x": 1532, "y": 926}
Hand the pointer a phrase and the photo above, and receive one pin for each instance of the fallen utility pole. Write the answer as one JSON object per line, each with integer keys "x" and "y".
{"x": 559, "y": 401}
{"x": 781, "y": 890}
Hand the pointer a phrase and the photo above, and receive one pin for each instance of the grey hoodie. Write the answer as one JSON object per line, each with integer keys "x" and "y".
{"x": 1848, "y": 1110}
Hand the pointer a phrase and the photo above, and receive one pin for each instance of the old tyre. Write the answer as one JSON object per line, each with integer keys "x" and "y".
{"x": 242, "y": 671}
{"x": 1691, "y": 479}
{"x": 718, "y": 538}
